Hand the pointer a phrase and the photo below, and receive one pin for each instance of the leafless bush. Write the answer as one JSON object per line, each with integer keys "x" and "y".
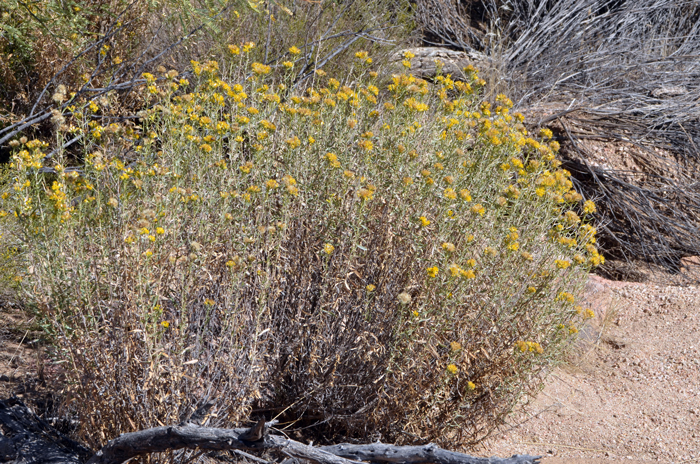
{"x": 612, "y": 70}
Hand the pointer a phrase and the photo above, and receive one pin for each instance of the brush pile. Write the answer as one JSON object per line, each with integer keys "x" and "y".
{"x": 620, "y": 72}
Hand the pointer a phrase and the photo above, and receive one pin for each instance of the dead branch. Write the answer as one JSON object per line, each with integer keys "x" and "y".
{"x": 380, "y": 452}
{"x": 159, "y": 439}
{"x": 26, "y": 437}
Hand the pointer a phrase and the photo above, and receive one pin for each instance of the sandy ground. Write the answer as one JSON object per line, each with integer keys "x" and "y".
{"x": 631, "y": 394}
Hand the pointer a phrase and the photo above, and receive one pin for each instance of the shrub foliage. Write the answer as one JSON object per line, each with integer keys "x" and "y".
{"x": 369, "y": 257}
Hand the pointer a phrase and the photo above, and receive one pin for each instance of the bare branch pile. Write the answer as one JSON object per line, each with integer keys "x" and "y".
{"x": 617, "y": 71}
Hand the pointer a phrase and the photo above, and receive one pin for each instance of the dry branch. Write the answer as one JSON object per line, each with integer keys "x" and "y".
{"x": 380, "y": 452}
{"x": 158, "y": 439}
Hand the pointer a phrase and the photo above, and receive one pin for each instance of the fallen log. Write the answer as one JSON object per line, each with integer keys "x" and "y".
{"x": 192, "y": 436}
{"x": 26, "y": 438}
{"x": 380, "y": 452}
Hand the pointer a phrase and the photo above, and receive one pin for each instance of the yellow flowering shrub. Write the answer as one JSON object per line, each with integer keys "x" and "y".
{"x": 291, "y": 253}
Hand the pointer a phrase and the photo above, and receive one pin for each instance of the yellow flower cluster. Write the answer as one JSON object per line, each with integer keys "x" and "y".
{"x": 533, "y": 347}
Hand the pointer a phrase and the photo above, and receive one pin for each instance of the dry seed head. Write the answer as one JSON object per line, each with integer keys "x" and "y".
{"x": 57, "y": 117}
{"x": 60, "y": 94}
{"x": 148, "y": 214}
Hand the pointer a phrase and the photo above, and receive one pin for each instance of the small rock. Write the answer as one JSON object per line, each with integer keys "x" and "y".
{"x": 423, "y": 64}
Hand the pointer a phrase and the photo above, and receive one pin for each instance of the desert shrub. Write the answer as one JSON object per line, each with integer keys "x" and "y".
{"x": 398, "y": 262}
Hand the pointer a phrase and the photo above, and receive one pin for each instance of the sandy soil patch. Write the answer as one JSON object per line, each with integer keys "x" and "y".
{"x": 632, "y": 394}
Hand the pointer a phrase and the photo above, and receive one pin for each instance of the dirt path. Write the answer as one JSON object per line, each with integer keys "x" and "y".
{"x": 632, "y": 394}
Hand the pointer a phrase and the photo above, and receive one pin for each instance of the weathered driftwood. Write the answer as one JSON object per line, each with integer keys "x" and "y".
{"x": 25, "y": 438}
{"x": 380, "y": 452}
{"x": 191, "y": 436}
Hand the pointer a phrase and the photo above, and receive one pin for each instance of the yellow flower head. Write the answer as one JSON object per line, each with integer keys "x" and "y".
{"x": 365, "y": 194}
{"x": 260, "y": 69}
{"x": 468, "y": 274}
{"x": 449, "y": 247}
{"x": 589, "y": 207}
{"x": 478, "y": 209}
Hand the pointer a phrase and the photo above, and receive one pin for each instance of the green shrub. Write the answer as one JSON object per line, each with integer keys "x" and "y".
{"x": 390, "y": 263}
